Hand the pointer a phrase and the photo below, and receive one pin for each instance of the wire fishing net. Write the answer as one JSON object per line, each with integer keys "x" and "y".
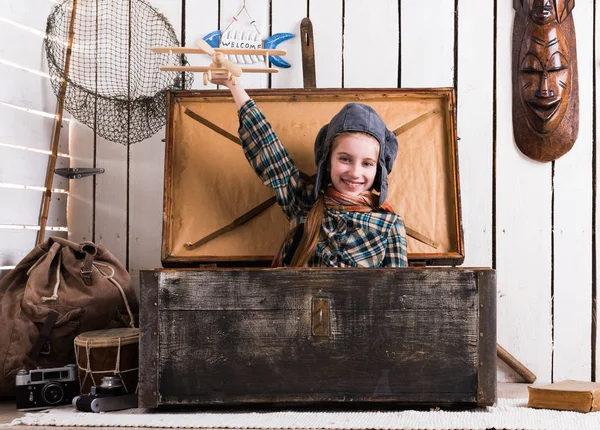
{"x": 114, "y": 84}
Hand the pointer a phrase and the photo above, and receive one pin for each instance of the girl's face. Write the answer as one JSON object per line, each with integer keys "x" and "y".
{"x": 353, "y": 162}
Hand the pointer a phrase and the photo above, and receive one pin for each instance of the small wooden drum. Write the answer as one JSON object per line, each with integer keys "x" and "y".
{"x": 105, "y": 353}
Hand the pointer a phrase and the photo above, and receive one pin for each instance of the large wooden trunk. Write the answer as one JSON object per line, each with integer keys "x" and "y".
{"x": 241, "y": 336}
{"x": 229, "y": 334}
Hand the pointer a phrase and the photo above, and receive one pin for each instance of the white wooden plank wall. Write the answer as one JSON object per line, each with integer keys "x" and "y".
{"x": 327, "y": 21}
{"x": 370, "y": 44}
{"x": 427, "y": 41}
{"x": 27, "y": 104}
{"x": 596, "y": 220}
{"x": 534, "y": 222}
{"x": 475, "y": 93}
{"x": 146, "y": 175}
{"x": 523, "y": 229}
{"x": 201, "y": 18}
{"x": 82, "y": 200}
{"x": 286, "y": 16}
{"x": 573, "y": 224}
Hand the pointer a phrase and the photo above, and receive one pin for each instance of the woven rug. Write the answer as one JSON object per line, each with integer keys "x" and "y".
{"x": 509, "y": 414}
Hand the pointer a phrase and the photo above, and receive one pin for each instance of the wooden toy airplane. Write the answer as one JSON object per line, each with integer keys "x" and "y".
{"x": 220, "y": 64}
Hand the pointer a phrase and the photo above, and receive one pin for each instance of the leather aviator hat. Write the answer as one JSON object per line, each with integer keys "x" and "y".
{"x": 357, "y": 117}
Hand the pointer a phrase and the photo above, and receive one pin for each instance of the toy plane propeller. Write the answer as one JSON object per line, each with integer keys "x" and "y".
{"x": 220, "y": 64}
{"x": 219, "y": 61}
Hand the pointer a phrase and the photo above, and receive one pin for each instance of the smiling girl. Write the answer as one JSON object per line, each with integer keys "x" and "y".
{"x": 342, "y": 220}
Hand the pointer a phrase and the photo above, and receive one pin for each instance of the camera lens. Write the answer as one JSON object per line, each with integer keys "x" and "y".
{"x": 52, "y": 393}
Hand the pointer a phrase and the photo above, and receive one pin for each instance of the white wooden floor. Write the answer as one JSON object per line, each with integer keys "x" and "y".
{"x": 8, "y": 412}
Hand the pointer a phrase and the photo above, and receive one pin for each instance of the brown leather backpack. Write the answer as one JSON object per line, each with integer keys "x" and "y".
{"x": 60, "y": 289}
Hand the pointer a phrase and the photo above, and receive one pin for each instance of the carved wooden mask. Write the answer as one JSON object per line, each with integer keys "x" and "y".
{"x": 544, "y": 76}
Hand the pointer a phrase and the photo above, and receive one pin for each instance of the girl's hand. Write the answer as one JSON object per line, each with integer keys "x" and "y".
{"x": 222, "y": 78}
{"x": 235, "y": 87}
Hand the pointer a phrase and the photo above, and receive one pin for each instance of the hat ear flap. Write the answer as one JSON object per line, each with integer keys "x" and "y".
{"x": 321, "y": 150}
{"x": 391, "y": 150}
{"x": 320, "y": 147}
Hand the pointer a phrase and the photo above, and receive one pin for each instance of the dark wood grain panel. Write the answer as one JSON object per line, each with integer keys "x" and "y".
{"x": 400, "y": 336}
{"x": 293, "y": 288}
{"x": 148, "y": 351}
{"x": 264, "y": 354}
{"x": 487, "y": 376}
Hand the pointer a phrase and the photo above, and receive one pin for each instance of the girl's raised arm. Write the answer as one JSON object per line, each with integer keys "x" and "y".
{"x": 239, "y": 94}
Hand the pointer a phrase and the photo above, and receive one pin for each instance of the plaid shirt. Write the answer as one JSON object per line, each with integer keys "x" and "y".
{"x": 347, "y": 239}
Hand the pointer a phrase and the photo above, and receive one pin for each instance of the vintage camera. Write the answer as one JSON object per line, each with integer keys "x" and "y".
{"x": 43, "y": 388}
{"x": 108, "y": 396}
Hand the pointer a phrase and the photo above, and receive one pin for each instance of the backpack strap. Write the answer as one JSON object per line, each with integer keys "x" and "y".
{"x": 90, "y": 250}
{"x": 43, "y": 336}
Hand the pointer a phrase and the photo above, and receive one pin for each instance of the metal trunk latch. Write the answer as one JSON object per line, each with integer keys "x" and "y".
{"x": 320, "y": 317}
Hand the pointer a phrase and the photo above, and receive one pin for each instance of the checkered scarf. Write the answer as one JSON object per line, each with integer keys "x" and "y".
{"x": 364, "y": 202}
